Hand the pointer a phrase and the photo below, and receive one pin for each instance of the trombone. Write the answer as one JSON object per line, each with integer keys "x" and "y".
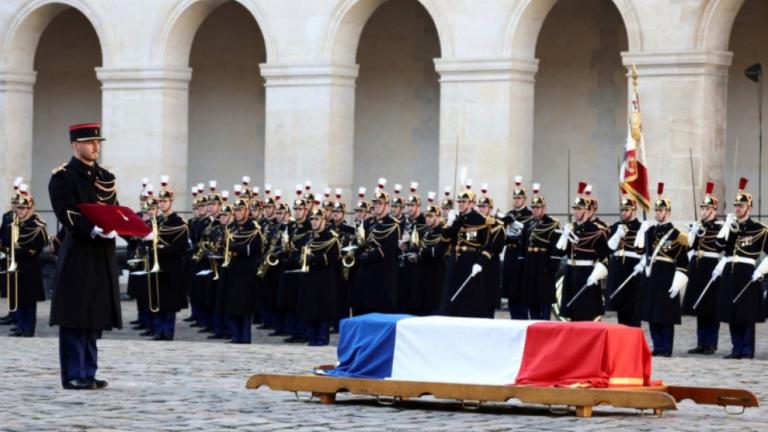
{"x": 12, "y": 267}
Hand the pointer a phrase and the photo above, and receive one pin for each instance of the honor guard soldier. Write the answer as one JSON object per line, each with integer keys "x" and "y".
{"x": 257, "y": 206}
{"x": 430, "y": 257}
{"x": 193, "y": 228}
{"x": 704, "y": 252}
{"x": 203, "y": 256}
{"x": 327, "y": 206}
{"x": 169, "y": 242}
{"x": 410, "y": 294}
{"x": 492, "y": 271}
{"x": 25, "y": 237}
{"x": 515, "y": 222}
{"x": 741, "y": 298}
{"x": 217, "y": 278}
{"x": 83, "y": 305}
{"x": 299, "y": 233}
{"x": 621, "y": 265}
{"x": 665, "y": 262}
{"x": 7, "y": 219}
{"x": 586, "y": 248}
{"x": 277, "y": 262}
{"x": 468, "y": 232}
{"x": 541, "y": 260}
{"x": 270, "y": 229}
{"x": 375, "y": 288}
{"x": 243, "y": 242}
{"x": 318, "y": 305}
{"x": 346, "y": 235}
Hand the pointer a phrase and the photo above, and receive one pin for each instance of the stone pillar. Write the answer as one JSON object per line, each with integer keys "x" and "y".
{"x": 683, "y": 100}
{"x": 144, "y": 118}
{"x": 486, "y": 107}
{"x": 16, "y": 113}
{"x": 310, "y": 115}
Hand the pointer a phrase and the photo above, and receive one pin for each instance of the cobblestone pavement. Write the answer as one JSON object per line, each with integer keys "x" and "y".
{"x": 195, "y": 384}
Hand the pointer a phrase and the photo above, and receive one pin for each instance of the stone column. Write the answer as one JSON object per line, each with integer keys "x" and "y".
{"x": 683, "y": 100}
{"x": 144, "y": 118}
{"x": 16, "y": 113}
{"x": 310, "y": 114}
{"x": 486, "y": 108}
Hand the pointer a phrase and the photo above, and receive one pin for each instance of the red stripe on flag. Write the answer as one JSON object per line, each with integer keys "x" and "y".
{"x": 585, "y": 353}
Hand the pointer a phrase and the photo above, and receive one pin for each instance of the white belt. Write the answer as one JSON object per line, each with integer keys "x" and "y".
{"x": 626, "y": 254}
{"x": 581, "y": 263}
{"x": 663, "y": 259}
{"x": 741, "y": 259}
{"x": 704, "y": 254}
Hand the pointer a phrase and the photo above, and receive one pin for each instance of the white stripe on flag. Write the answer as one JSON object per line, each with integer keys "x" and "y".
{"x": 459, "y": 350}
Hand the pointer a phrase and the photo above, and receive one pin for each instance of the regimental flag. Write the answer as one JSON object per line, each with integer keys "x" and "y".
{"x": 633, "y": 178}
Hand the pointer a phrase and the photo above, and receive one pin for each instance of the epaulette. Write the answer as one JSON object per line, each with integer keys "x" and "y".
{"x": 62, "y": 167}
{"x": 682, "y": 238}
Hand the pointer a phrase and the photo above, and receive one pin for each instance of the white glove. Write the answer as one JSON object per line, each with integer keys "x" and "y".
{"x": 405, "y": 238}
{"x": 718, "y": 270}
{"x": 562, "y": 242}
{"x": 678, "y": 284}
{"x": 692, "y": 233}
{"x": 518, "y": 225}
{"x": 761, "y": 270}
{"x": 640, "y": 239}
{"x": 109, "y": 235}
{"x": 598, "y": 272}
{"x": 727, "y": 225}
{"x": 149, "y": 237}
{"x": 451, "y": 217}
{"x": 639, "y": 267}
{"x": 96, "y": 231}
{"x": 613, "y": 242}
{"x": 477, "y": 268}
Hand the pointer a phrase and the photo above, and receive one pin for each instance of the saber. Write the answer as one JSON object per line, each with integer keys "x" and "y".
{"x": 743, "y": 290}
{"x": 458, "y": 291}
{"x": 704, "y": 291}
{"x": 623, "y": 284}
{"x": 578, "y": 294}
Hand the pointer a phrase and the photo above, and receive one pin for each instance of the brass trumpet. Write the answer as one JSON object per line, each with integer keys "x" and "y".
{"x": 349, "y": 259}
{"x": 228, "y": 237}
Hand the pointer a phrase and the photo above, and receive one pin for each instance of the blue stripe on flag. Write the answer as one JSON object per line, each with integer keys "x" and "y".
{"x": 366, "y": 346}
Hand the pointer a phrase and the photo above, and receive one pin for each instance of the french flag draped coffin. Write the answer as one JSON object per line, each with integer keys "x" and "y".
{"x": 492, "y": 352}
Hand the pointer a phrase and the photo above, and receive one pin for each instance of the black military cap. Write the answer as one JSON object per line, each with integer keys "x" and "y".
{"x": 85, "y": 132}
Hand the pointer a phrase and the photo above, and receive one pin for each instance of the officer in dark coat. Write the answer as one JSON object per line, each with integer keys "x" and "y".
{"x": 411, "y": 294}
{"x": 665, "y": 262}
{"x": 705, "y": 251}
{"x": 28, "y": 235}
{"x": 430, "y": 270}
{"x": 541, "y": 261}
{"x": 299, "y": 233}
{"x": 586, "y": 248}
{"x": 492, "y": 271}
{"x": 205, "y": 264}
{"x": 317, "y": 302}
{"x": 741, "y": 298}
{"x": 404, "y": 280}
{"x": 621, "y": 265}
{"x": 469, "y": 235}
{"x": 515, "y": 222}
{"x": 238, "y": 290}
{"x": 86, "y": 294}
{"x": 375, "y": 288}
{"x": 171, "y": 240}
